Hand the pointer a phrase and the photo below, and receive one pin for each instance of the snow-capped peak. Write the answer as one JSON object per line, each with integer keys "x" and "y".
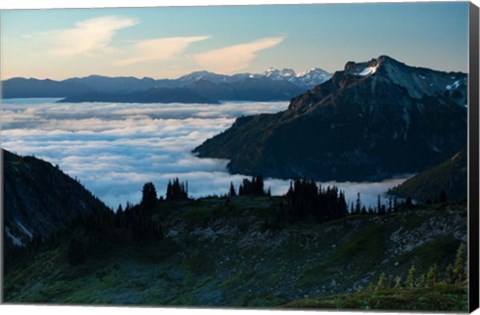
{"x": 314, "y": 70}
{"x": 278, "y": 74}
{"x": 308, "y": 78}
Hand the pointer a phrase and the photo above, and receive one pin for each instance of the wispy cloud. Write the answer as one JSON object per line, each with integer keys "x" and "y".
{"x": 160, "y": 49}
{"x": 86, "y": 37}
{"x": 234, "y": 58}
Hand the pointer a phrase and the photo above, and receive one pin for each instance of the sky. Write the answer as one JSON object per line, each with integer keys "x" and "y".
{"x": 168, "y": 42}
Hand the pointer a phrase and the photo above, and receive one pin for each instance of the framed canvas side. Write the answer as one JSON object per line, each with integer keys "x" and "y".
{"x": 473, "y": 163}
{"x": 473, "y": 105}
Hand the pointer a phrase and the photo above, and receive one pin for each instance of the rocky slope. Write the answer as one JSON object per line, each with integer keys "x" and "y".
{"x": 219, "y": 254}
{"x": 370, "y": 121}
{"x": 39, "y": 199}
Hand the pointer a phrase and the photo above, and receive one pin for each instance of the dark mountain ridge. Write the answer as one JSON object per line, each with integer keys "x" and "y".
{"x": 154, "y": 95}
{"x": 368, "y": 122}
{"x": 449, "y": 177}
{"x": 120, "y": 84}
{"x": 39, "y": 199}
{"x": 27, "y": 88}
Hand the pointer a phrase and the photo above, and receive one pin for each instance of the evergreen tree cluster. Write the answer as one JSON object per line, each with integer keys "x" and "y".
{"x": 142, "y": 224}
{"x": 380, "y": 209}
{"x": 440, "y": 198}
{"x": 76, "y": 252}
{"x": 136, "y": 224}
{"x": 455, "y": 274}
{"x": 89, "y": 234}
{"x": 254, "y": 187}
{"x": 306, "y": 201}
{"x": 177, "y": 190}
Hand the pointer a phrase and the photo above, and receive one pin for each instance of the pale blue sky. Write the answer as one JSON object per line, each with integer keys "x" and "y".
{"x": 169, "y": 42}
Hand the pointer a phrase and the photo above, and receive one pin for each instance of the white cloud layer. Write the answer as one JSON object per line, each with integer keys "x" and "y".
{"x": 113, "y": 149}
{"x": 234, "y": 58}
{"x": 87, "y": 37}
{"x": 160, "y": 49}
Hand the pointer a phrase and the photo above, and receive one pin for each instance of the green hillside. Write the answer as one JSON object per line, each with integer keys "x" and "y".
{"x": 224, "y": 251}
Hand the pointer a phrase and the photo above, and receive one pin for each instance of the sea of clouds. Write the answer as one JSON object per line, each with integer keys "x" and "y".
{"x": 114, "y": 148}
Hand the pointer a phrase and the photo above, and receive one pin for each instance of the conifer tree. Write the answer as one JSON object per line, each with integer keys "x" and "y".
{"x": 398, "y": 282}
{"x": 169, "y": 191}
{"x": 422, "y": 282}
{"x": 382, "y": 282}
{"x": 450, "y": 274}
{"x": 459, "y": 268}
{"x": 149, "y": 197}
{"x": 364, "y": 210}
{"x": 432, "y": 276}
{"x": 411, "y": 277}
{"x": 383, "y": 210}
{"x": 232, "y": 192}
{"x": 120, "y": 209}
{"x": 443, "y": 196}
{"x": 342, "y": 205}
{"x": 358, "y": 205}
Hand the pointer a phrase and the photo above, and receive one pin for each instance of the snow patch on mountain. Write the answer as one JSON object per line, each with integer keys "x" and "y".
{"x": 15, "y": 240}
{"x": 454, "y": 85}
{"x": 25, "y": 230}
{"x": 368, "y": 71}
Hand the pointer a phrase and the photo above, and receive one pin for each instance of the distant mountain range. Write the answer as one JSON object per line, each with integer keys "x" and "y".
{"x": 370, "y": 121}
{"x": 196, "y": 87}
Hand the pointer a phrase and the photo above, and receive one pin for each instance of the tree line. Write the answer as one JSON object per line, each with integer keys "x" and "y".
{"x": 253, "y": 187}
{"x": 305, "y": 201}
{"x": 136, "y": 224}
